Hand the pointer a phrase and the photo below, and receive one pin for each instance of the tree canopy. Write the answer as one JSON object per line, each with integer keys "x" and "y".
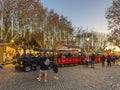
{"x": 113, "y": 18}
{"x": 29, "y": 23}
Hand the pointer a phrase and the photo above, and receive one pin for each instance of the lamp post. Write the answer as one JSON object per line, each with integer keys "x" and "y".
{"x": 88, "y": 39}
{"x": 12, "y": 41}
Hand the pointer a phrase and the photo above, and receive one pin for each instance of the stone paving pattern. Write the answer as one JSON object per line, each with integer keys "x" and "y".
{"x": 70, "y": 78}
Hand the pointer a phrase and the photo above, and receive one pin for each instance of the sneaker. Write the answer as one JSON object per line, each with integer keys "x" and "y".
{"x": 57, "y": 78}
{"x": 45, "y": 80}
{"x": 39, "y": 79}
{"x": 54, "y": 77}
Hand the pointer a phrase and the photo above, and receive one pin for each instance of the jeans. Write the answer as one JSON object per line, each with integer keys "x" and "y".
{"x": 109, "y": 63}
{"x": 38, "y": 70}
{"x": 92, "y": 64}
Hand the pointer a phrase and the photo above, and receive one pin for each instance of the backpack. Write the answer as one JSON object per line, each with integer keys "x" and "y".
{"x": 47, "y": 62}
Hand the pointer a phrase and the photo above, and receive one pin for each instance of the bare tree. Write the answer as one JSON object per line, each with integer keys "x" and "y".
{"x": 113, "y": 17}
{"x": 28, "y": 19}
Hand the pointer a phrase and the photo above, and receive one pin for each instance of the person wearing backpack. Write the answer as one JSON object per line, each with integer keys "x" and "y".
{"x": 44, "y": 68}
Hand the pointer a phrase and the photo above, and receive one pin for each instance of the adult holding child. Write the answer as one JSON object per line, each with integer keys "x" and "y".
{"x": 45, "y": 62}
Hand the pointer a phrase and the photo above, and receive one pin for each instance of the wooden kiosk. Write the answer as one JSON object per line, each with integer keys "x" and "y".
{"x": 9, "y": 52}
{"x": 2, "y": 50}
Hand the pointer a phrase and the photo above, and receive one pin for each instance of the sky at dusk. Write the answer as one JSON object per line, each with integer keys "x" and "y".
{"x": 86, "y": 13}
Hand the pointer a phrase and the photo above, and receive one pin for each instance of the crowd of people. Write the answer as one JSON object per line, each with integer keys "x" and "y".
{"x": 90, "y": 60}
{"x": 42, "y": 68}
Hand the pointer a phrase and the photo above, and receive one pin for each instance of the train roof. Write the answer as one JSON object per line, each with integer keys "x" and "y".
{"x": 43, "y": 49}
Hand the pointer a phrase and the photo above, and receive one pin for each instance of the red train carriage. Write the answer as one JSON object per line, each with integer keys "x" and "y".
{"x": 63, "y": 57}
{"x": 67, "y": 57}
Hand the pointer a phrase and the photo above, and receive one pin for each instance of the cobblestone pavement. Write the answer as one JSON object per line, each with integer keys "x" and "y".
{"x": 70, "y": 78}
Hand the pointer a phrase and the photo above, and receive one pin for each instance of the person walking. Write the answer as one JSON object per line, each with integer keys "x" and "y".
{"x": 1, "y": 66}
{"x": 87, "y": 60}
{"x": 55, "y": 69}
{"x": 92, "y": 61}
{"x": 38, "y": 64}
{"x": 102, "y": 59}
{"x": 44, "y": 68}
{"x": 4, "y": 56}
{"x": 113, "y": 59}
{"x": 108, "y": 57}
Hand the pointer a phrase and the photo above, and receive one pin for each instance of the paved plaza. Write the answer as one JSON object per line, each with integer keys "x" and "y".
{"x": 70, "y": 78}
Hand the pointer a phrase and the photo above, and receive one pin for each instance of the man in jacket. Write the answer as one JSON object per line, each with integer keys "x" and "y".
{"x": 38, "y": 63}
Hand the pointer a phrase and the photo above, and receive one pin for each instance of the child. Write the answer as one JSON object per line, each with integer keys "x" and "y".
{"x": 55, "y": 69}
{"x": 87, "y": 60}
